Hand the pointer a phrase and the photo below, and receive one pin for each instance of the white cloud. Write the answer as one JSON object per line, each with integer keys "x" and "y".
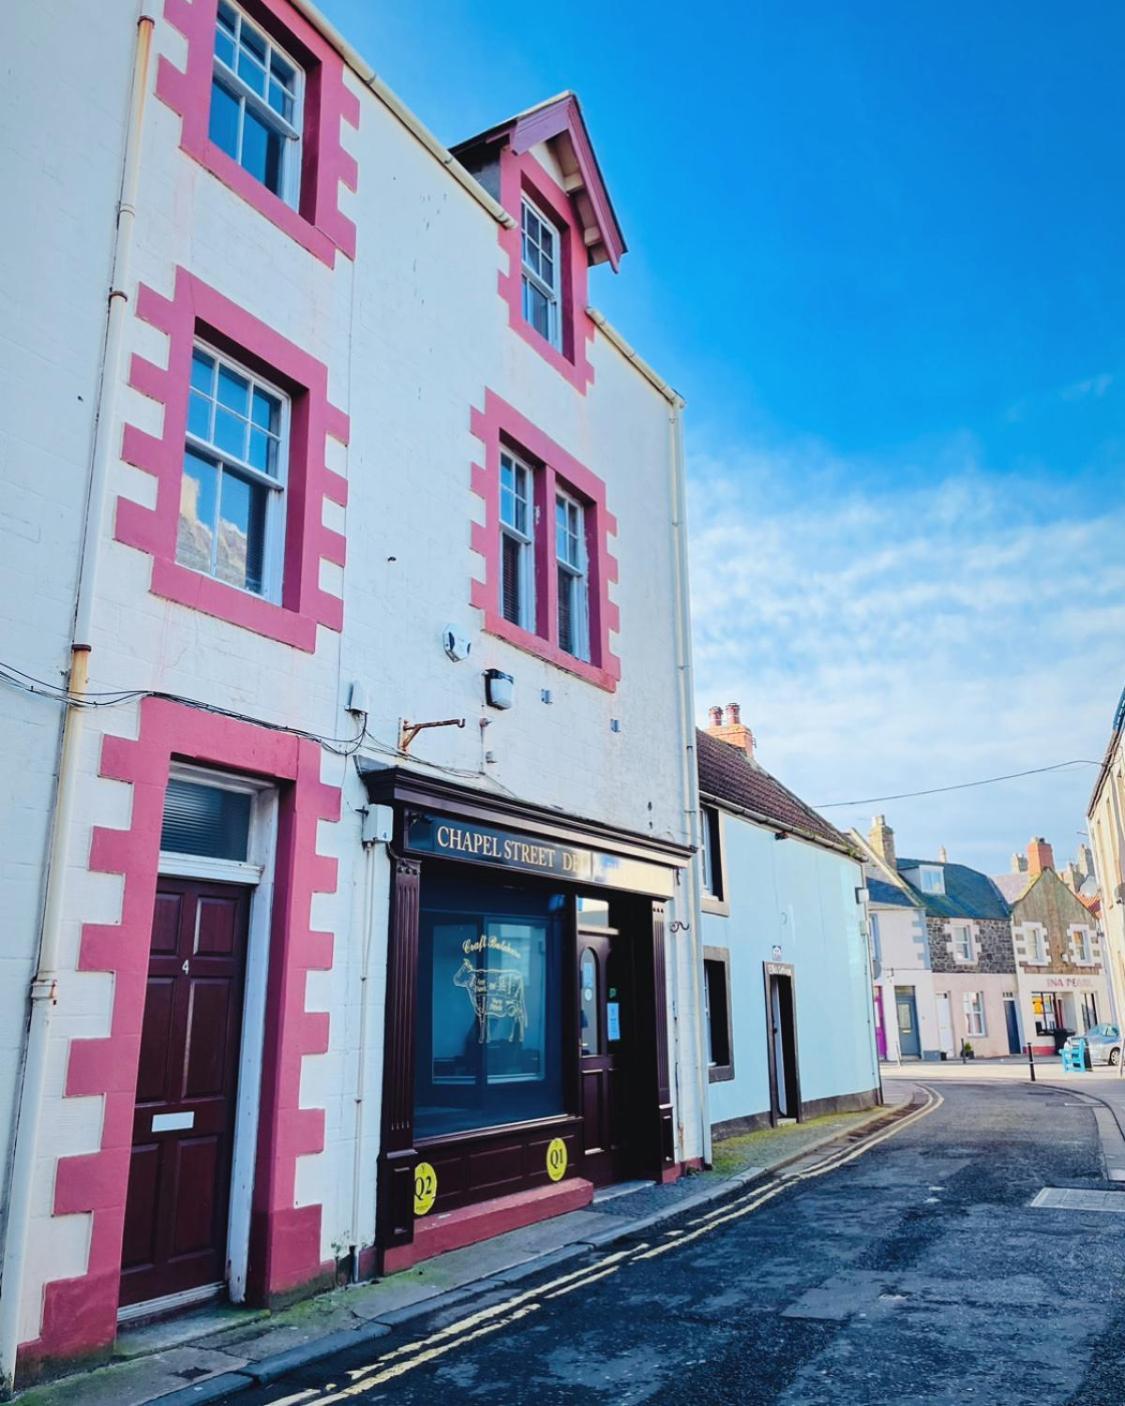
{"x": 885, "y": 639}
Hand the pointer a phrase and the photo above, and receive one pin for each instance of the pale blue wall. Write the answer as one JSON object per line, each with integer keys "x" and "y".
{"x": 802, "y": 898}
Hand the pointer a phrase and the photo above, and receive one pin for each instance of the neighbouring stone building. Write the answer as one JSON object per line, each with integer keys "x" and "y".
{"x": 1061, "y": 972}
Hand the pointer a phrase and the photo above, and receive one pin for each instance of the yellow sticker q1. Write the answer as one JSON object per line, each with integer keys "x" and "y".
{"x": 556, "y": 1159}
{"x": 425, "y": 1188}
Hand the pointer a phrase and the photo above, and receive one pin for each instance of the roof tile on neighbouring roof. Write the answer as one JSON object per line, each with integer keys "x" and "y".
{"x": 1013, "y": 885}
{"x": 727, "y": 774}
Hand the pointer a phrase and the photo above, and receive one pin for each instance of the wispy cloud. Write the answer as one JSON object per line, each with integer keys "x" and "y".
{"x": 883, "y": 641}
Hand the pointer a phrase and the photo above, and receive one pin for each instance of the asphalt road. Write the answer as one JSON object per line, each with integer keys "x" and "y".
{"x": 917, "y": 1273}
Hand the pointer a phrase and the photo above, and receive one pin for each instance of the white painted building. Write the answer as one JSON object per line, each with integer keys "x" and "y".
{"x": 358, "y": 454}
{"x": 906, "y": 1011}
{"x": 788, "y": 973}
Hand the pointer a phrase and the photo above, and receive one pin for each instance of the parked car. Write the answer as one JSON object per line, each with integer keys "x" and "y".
{"x": 1103, "y": 1044}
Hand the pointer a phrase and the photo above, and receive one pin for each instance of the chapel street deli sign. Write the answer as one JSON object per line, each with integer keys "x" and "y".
{"x": 531, "y": 854}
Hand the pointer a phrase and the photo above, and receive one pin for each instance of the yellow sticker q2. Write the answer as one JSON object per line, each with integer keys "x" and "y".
{"x": 556, "y": 1159}
{"x": 425, "y": 1188}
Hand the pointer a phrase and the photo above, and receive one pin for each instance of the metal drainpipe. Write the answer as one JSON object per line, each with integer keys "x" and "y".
{"x": 369, "y": 851}
{"x": 688, "y": 762}
{"x": 43, "y": 987}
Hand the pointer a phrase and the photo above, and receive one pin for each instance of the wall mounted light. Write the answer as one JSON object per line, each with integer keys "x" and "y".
{"x": 499, "y": 688}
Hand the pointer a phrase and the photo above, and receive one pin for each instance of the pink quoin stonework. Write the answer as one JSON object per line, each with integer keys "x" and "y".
{"x": 317, "y": 223}
{"x": 80, "y": 1315}
{"x": 195, "y": 309}
{"x": 499, "y": 424}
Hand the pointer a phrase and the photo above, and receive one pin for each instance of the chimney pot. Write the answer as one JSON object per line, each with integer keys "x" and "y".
{"x": 716, "y": 716}
{"x": 943, "y": 857}
{"x": 734, "y": 714}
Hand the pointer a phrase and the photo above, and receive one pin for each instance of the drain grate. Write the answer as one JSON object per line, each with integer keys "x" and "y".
{"x": 1055, "y": 1198}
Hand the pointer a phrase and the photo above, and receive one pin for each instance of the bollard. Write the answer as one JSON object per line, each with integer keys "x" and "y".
{"x": 1031, "y": 1061}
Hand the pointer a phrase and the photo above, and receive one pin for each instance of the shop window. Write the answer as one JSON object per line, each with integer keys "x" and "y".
{"x": 1043, "y": 1009}
{"x": 710, "y": 852}
{"x": 489, "y": 1036}
{"x": 717, "y": 1013}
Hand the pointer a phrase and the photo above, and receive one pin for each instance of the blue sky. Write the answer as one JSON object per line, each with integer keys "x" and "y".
{"x": 878, "y": 248}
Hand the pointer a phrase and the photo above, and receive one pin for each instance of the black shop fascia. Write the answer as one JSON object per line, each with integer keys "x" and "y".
{"x": 526, "y": 1041}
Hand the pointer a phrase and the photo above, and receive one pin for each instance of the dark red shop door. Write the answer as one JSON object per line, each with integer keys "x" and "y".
{"x": 179, "y": 1177}
{"x": 605, "y": 1035}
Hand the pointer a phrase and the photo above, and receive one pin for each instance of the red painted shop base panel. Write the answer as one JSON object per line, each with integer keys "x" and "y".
{"x": 468, "y": 1225}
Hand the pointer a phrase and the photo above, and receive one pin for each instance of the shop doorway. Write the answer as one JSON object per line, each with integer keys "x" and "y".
{"x": 906, "y": 1009}
{"x": 178, "y": 1201}
{"x": 781, "y": 1025}
{"x": 606, "y": 1036}
{"x": 1011, "y": 1017}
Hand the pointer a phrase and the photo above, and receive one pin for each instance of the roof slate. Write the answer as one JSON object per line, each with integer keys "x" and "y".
{"x": 1012, "y": 886}
{"x": 968, "y": 893}
{"x": 727, "y": 774}
{"x": 890, "y": 895}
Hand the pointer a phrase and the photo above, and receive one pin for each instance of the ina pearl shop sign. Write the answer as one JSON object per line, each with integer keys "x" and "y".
{"x": 532, "y": 854}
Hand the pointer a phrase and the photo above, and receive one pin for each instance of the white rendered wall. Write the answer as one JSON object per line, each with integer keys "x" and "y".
{"x": 412, "y": 334}
{"x": 801, "y": 898}
{"x": 905, "y": 961}
{"x": 61, "y": 143}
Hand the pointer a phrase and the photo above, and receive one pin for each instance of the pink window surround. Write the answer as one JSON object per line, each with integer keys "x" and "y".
{"x": 500, "y": 424}
{"x": 80, "y": 1315}
{"x": 194, "y": 310}
{"x": 522, "y": 175}
{"x": 318, "y": 223}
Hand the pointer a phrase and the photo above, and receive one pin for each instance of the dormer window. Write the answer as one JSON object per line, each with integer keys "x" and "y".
{"x": 931, "y": 879}
{"x": 256, "y": 103}
{"x": 541, "y": 259}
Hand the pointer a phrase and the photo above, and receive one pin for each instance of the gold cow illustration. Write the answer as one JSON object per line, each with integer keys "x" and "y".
{"x": 495, "y": 995}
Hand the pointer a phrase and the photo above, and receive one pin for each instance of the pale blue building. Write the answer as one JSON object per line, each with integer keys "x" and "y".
{"x": 790, "y": 1021}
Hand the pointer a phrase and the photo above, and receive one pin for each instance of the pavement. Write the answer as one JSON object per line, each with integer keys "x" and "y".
{"x": 227, "y": 1351}
{"x": 962, "y": 1255}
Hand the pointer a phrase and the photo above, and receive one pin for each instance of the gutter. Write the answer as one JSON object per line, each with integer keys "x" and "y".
{"x": 670, "y": 394}
{"x": 398, "y": 109}
{"x": 771, "y": 824}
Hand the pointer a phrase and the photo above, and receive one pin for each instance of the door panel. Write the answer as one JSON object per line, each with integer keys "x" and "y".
{"x": 179, "y": 1179}
{"x": 605, "y": 996}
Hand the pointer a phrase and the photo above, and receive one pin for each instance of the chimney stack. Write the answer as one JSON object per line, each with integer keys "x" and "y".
{"x": 1019, "y": 863}
{"x": 1040, "y": 856}
{"x": 730, "y": 728}
{"x": 943, "y": 856}
{"x": 881, "y": 838}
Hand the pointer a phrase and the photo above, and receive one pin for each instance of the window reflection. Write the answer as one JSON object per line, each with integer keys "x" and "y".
{"x": 488, "y": 1043}
{"x": 589, "y": 1004}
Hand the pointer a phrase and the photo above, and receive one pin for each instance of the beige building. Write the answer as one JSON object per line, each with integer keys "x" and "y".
{"x": 1106, "y": 814}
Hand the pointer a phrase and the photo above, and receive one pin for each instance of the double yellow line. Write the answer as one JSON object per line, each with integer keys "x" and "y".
{"x": 487, "y": 1321}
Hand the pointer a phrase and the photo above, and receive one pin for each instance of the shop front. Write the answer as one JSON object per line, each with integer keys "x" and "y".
{"x": 526, "y": 1056}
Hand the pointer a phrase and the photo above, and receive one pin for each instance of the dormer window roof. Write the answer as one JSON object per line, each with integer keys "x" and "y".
{"x": 559, "y": 123}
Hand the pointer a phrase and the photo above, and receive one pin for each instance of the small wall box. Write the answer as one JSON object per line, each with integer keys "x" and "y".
{"x": 499, "y": 688}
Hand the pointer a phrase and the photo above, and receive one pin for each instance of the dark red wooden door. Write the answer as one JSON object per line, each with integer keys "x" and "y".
{"x": 605, "y": 1036}
{"x": 179, "y": 1177}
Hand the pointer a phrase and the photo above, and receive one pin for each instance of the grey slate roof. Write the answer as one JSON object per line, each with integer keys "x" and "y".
{"x": 727, "y": 774}
{"x": 968, "y": 893}
{"x": 890, "y": 895}
{"x": 1012, "y": 886}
